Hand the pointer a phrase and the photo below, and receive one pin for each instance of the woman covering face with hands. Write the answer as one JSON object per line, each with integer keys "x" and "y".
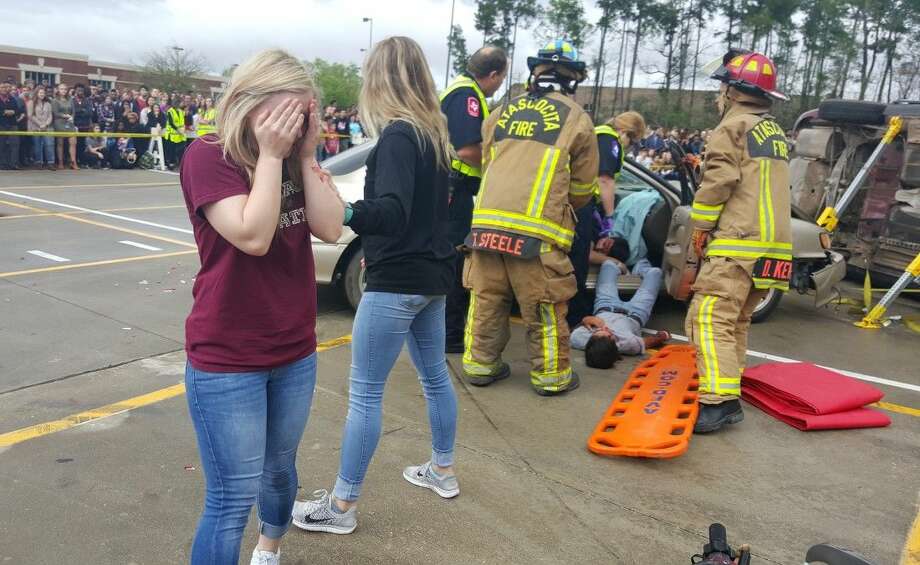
{"x": 255, "y": 196}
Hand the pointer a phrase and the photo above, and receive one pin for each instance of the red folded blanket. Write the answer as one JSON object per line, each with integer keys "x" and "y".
{"x": 811, "y": 398}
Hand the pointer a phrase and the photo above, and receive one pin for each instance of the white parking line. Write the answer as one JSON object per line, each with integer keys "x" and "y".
{"x": 140, "y": 245}
{"x": 780, "y": 359}
{"x": 49, "y": 256}
{"x": 98, "y": 212}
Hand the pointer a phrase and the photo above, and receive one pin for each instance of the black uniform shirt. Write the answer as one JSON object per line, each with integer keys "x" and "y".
{"x": 464, "y": 117}
{"x": 609, "y": 148}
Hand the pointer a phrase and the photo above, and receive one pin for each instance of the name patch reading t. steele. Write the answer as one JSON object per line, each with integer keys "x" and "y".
{"x": 539, "y": 119}
{"x": 503, "y": 242}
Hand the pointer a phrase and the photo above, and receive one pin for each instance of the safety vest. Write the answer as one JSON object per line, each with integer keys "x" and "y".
{"x": 177, "y": 117}
{"x": 744, "y": 197}
{"x": 540, "y": 161}
{"x": 607, "y": 130}
{"x": 464, "y": 81}
{"x": 204, "y": 129}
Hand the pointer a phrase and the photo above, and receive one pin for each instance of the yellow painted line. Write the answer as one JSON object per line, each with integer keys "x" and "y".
{"x": 897, "y": 408}
{"x": 70, "y": 216}
{"x": 46, "y": 214}
{"x": 112, "y": 185}
{"x": 23, "y": 206}
{"x": 911, "y": 553}
{"x": 94, "y": 264}
{"x": 43, "y": 429}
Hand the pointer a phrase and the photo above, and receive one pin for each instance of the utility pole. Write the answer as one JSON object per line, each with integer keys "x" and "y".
{"x": 595, "y": 96}
{"x": 511, "y": 65}
{"x": 176, "y": 49}
{"x": 370, "y": 40}
{"x": 450, "y": 34}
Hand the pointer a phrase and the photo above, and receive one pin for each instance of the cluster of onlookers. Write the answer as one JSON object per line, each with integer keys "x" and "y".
{"x": 342, "y": 129}
{"x": 653, "y": 152}
{"x": 93, "y": 109}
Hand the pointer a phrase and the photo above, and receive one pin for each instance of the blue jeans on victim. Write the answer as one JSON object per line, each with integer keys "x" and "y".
{"x": 383, "y": 323}
{"x": 642, "y": 302}
{"x": 248, "y": 427}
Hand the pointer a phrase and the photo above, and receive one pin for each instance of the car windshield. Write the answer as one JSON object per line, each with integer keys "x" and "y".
{"x": 348, "y": 161}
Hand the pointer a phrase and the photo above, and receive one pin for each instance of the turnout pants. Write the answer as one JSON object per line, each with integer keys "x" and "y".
{"x": 460, "y": 216}
{"x": 717, "y": 323}
{"x": 542, "y": 285}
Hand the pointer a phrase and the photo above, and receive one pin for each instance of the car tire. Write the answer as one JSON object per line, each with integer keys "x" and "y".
{"x": 852, "y": 111}
{"x": 766, "y": 306}
{"x": 355, "y": 278}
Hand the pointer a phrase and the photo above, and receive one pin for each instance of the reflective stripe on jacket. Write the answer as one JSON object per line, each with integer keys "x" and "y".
{"x": 540, "y": 160}
{"x": 744, "y": 197}
{"x": 464, "y": 81}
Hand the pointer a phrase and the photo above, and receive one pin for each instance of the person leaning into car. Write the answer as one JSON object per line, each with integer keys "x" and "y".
{"x": 464, "y": 104}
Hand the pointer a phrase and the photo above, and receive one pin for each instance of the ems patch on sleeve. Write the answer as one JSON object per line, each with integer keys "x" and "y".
{"x": 615, "y": 150}
{"x": 472, "y": 107}
{"x": 767, "y": 139}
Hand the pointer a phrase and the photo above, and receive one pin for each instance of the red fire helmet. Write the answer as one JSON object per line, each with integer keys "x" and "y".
{"x": 749, "y": 72}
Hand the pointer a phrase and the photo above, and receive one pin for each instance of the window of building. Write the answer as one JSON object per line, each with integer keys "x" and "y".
{"x": 103, "y": 84}
{"x": 48, "y": 79}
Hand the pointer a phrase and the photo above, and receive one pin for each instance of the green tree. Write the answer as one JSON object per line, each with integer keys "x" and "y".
{"x": 564, "y": 19}
{"x": 173, "y": 69}
{"x": 499, "y": 20}
{"x": 338, "y": 82}
{"x": 456, "y": 43}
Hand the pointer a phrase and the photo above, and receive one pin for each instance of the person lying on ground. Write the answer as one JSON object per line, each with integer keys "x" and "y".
{"x": 616, "y": 326}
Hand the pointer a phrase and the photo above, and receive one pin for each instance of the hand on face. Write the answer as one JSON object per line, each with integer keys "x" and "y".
{"x": 277, "y": 130}
{"x": 311, "y": 137}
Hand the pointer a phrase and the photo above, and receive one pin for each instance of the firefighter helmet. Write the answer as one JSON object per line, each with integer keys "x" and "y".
{"x": 750, "y": 72}
{"x": 560, "y": 54}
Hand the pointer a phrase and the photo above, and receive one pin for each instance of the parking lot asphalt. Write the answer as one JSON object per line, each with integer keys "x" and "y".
{"x": 98, "y": 461}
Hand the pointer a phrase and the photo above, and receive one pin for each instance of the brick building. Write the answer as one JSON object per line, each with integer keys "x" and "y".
{"x": 52, "y": 67}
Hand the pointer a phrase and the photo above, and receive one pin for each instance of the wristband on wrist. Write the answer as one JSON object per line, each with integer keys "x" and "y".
{"x": 349, "y": 212}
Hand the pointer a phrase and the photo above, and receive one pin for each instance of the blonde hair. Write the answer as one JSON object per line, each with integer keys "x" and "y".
{"x": 632, "y": 123}
{"x": 398, "y": 86}
{"x": 262, "y": 75}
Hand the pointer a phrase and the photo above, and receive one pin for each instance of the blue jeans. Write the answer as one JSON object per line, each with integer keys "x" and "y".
{"x": 641, "y": 304}
{"x": 384, "y": 322}
{"x": 43, "y": 150}
{"x": 248, "y": 426}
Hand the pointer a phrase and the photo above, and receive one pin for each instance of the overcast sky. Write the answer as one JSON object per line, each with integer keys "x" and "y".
{"x": 226, "y": 31}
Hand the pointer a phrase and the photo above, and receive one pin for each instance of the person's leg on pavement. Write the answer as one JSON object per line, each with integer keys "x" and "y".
{"x": 460, "y": 217}
{"x": 289, "y": 398}
{"x": 543, "y": 287}
{"x": 744, "y": 325}
{"x": 228, "y": 411}
{"x": 5, "y": 152}
{"x": 38, "y": 151}
{"x": 59, "y": 142}
{"x": 381, "y": 326}
{"x": 487, "y": 330}
{"x": 643, "y": 301}
{"x": 425, "y": 339}
{"x": 580, "y": 305}
{"x": 13, "y": 140}
{"x": 48, "y": 144}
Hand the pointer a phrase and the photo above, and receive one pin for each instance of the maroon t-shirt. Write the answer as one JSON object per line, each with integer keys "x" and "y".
{"x": 250, "y": 313}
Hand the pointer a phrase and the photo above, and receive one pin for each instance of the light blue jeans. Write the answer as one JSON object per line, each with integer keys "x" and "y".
{"x": 383, "y": 323}
{"x": 43, "y": 150}
{"x": 248, "y": 427}
{"x": 641, "y": 304}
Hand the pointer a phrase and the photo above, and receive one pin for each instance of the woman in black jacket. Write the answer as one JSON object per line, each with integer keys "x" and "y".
{"x": 402, "y": 222}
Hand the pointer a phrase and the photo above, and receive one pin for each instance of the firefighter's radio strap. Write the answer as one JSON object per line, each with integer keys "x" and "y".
{"x": 498, "y": 241}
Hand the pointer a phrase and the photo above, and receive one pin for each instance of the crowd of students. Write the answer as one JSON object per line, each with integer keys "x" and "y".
{"x": 79, "y": 108}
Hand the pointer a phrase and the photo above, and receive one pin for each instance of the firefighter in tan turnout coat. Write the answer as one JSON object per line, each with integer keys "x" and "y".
{"x": 741, "y": 217}
{"x": 539, "y": 162}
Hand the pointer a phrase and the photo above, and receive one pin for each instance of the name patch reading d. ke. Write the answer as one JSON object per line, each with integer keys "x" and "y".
{"x": 538, "y": 119}
{"x": 767, "y": 139}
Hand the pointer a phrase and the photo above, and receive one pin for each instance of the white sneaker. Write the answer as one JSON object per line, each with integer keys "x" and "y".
{"x": 260, "y": 557}
{"x": 318, "y": 516}
{"x": 424, "y": 476}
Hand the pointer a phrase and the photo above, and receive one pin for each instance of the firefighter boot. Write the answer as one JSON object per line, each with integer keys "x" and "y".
{"x": 504, "y": 371}
{"x": 573, "y": 384}
{"x": 713, "y": 416}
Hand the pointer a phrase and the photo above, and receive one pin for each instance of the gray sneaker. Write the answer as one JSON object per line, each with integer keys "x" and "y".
{"x": 265, "y": 557}
{"x": 318, "y": 516}
{"x": 423, "y": 476}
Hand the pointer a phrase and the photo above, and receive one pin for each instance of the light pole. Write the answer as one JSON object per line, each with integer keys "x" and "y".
{"x": 370, "y": 40}
{"x": 176, "y": 49}
{"x": 450, "y": 34}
